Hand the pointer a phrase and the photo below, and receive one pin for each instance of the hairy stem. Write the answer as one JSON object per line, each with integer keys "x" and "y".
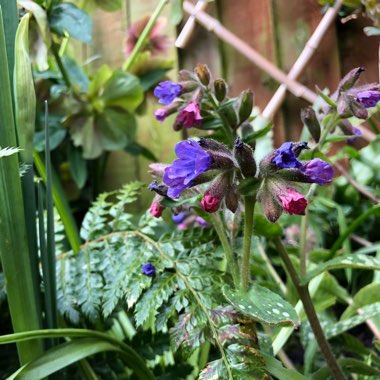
{"x": 248, "y": 229}
{"x": 219, "y": 228}
{"x": 143, "y": 36}
{"x": 302, "y": 248}
{"x": 311, "y": 314}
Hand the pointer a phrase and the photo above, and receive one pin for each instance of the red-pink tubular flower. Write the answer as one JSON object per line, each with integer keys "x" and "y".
{"x": 293, "y": 202}
{"x": 210, "y": 203}
{"x": 190, "y": 116}
{"x": 156, "y": 209}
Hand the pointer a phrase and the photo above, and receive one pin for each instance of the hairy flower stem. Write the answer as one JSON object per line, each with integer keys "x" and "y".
{"x": 311, "y": 314}
{"x": 302, "y": 247}
{"x": 219, "y": 228}
{"x": 140, "y": 42}
{"x": 249, "y": 204}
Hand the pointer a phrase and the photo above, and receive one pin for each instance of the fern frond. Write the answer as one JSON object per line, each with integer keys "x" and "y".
{"x": 4, "y": 152}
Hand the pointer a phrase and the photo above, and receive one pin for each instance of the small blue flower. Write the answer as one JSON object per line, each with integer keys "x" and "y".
{"x": 179, "y": 218}
{"x": 149, "y": 270}
{"x": 285, "y": 157}
{"x": 192, "y": 161}
{"x": 368, "y": 98}
{"x": 167, "y": 91}
{"x": 318, "y": 171}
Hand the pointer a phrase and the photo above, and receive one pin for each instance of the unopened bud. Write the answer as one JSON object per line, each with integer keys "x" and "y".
{"x": 269, "y": 203}
{"x": 203, "y": 73}
{"x": 159, "y": 189}
{"x": 220, "y": 88}
{"x": 245, "y": 106}
{"x": 309, "y": 118}
{"x": 347, "y": 106}
{"x": 350, "y": 79}
{"x": 158, "y": 169}
{"x": 359, "y": 110}
{"x": 232, "y": 199}
{"x": 186, "y": 75}
{"x": 210, "y": 203}
{"x": 229, "y": 112}
{"x": 221, "y": 155}
{"x": 298, "y": 147}
{"x": 156, "y": 208}
{"x": 244, "y": 156}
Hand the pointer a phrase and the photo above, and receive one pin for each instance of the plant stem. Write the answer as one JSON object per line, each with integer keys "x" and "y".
{"x": 311, "y": 314}
{"x": 249, "y": 202}
{"x": 144, "y": 34}
{"x": 219, "y": 228}
{"x": 61, "y": 67}
{"x": 302, "y": 248}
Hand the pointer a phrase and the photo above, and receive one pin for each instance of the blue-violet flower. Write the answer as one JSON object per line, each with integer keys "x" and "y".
{"x": 149, "y": 270}
{"x": 368, "y": 98}
{"x": 285, "y": 157}
{"x": 167, "y": 91}
{"x": 192, "y": 161}
{"x": 318, "y": 171}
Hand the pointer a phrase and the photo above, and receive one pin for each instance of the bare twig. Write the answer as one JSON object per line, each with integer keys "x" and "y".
{"x": 355, "y": 184}
{"x": 302, "y": 61}
{"x": 213, "y": 25}
{"x": 188, "y": 28}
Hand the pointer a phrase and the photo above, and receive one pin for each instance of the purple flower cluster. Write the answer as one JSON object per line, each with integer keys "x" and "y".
{"x": 314, "y": 171}
{"x": 167, "y": 91}
{"x": 192, "y": 161}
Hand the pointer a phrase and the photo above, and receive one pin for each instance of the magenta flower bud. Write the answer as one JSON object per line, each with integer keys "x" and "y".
{"x": 189, "y": 116}
{"x": 167, "y": 91}
{"x": 318, "y": 171}
{"x": 156, "y": 208}
{"x": 293, "y": 202}
{"x": 210, "y": 203}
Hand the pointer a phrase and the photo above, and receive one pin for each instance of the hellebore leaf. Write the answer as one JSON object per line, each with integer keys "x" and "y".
{"x": 67, "y": 18}
{"x": 262, "y": 305}
{"x": 123, "y": 90}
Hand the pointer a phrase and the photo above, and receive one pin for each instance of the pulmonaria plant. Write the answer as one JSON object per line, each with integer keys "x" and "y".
{"x": 217, "y": 177}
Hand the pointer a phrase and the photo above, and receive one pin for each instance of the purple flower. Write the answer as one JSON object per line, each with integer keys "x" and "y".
{"x": 160, "y": 114}
{"x": 318, "y": 171}
{"x": 192, "y": 161}
{"x": 167, "y": 91}
{"x": 285, "y": 157}
{"x": 368, "y": 98}
{"x": 201, "y": 222}
{"x": 149, "y": 270}
{"x": 179, "y": 218}
{"x": 357, "y": 132}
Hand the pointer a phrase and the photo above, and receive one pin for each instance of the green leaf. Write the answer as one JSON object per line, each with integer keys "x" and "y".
{"x": 123, "y": 90}
{"x": 326, "y": 98}
{"x": 25, "y": 96}
{"x": 365, "y": 296}
{"x": 99, "y": 80}
{"x": 77, "y": 76}
{"x": 262, "y": 305}
{"x": 275, "y": 368}
{"x": 176, "y": 12}
{"x": 347, "y": 261}
{"x": 149, "y": 79}
{"x": 262, "y": 227}
{"x": 68, "y": 18}
{"x": 56, "y": 136}
{"x": 257, "y": 134}
{"x": 78, "y": 167}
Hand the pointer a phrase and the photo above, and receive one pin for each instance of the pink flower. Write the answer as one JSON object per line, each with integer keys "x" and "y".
{"x": 293, "y": 202}
{"x": 210, "y": 203}
{"x": 156, "y": 209}
{"x": 190, "y": 116}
